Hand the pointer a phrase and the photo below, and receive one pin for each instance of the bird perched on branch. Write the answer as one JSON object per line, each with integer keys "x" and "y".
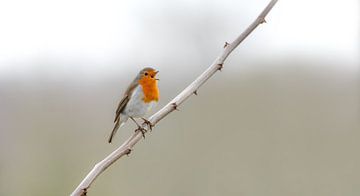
{"x": 141, "y": 95}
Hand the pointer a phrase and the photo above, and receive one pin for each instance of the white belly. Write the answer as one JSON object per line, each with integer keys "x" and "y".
{"x": 136, "y": 107}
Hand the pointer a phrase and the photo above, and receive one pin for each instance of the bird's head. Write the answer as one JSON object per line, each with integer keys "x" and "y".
{"x": 148, "y": 75}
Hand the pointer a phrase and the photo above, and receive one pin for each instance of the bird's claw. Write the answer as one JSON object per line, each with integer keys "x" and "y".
{"x": 142, "y": 130}
{"x": 148, "y": 123}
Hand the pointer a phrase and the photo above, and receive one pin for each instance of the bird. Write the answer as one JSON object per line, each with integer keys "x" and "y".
{"x": 139, "y": 98}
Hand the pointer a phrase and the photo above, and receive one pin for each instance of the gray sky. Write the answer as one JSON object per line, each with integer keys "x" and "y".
{"x": 96, "y": 36}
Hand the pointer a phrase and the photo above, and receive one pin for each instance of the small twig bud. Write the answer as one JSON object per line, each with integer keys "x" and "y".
{"x": 220, "y": 66}
{"x": 84, "y": 192}
{"x": 128, "y": 151}
{"x": 175, "y": 106}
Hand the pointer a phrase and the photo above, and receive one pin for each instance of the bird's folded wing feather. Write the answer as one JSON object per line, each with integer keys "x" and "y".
{"x": 125, "y": 100}
{"x": 121, "y": 106}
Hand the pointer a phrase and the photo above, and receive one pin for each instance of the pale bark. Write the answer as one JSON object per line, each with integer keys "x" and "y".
{"x": 127, "y": 146}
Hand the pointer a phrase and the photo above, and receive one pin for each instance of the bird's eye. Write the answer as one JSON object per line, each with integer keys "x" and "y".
{"x": 146, "y": 74}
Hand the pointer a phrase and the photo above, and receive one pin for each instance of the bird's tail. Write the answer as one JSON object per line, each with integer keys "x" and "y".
{"x": 120, "y": 122}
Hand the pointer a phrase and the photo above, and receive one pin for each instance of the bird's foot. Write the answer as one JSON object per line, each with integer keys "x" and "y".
{"x": 142, "y": 130}
{"x": 148, "y": 123}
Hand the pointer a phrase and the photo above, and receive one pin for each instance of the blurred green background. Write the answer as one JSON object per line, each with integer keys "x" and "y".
{"x": 282, "y": 118}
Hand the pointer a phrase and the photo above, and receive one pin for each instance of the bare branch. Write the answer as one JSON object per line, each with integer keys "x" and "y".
{"x": 126, "y": 147}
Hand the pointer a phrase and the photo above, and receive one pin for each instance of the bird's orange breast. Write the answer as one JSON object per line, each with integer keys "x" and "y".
{"x": 150, "y": 89}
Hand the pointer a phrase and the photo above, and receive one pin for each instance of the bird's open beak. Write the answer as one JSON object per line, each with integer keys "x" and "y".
{"x": 156, "y": 72}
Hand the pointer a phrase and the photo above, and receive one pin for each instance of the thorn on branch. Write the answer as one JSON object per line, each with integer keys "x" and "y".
{"x": 195, "y": 92}
{"x": 84, "y": 192}
{"x": 128, "y": 151}
{"x": 175, "y": 106}
{"x": 220, "y": 66}
{"x": 262, "y": 20}
{"x": 226, "y": 44}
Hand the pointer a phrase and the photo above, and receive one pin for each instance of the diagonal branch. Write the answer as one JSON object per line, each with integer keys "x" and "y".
{"x": 127, "y": 146}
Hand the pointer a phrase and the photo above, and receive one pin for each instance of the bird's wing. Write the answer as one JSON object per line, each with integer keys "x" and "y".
{"x": 121, "y": 106}
{"x": 125, "y": 100}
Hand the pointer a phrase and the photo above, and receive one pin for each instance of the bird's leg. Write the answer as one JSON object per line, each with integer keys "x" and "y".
{"x": 135, "y": 122}
{"x": 148, "y": 123}
{"x": 143, "y": 131}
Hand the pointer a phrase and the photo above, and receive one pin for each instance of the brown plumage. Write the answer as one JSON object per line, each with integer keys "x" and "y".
{"x": 137, "y": 99}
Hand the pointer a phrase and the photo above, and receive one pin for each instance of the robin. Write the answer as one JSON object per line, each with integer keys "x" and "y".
{"x": 141, "y": 95}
